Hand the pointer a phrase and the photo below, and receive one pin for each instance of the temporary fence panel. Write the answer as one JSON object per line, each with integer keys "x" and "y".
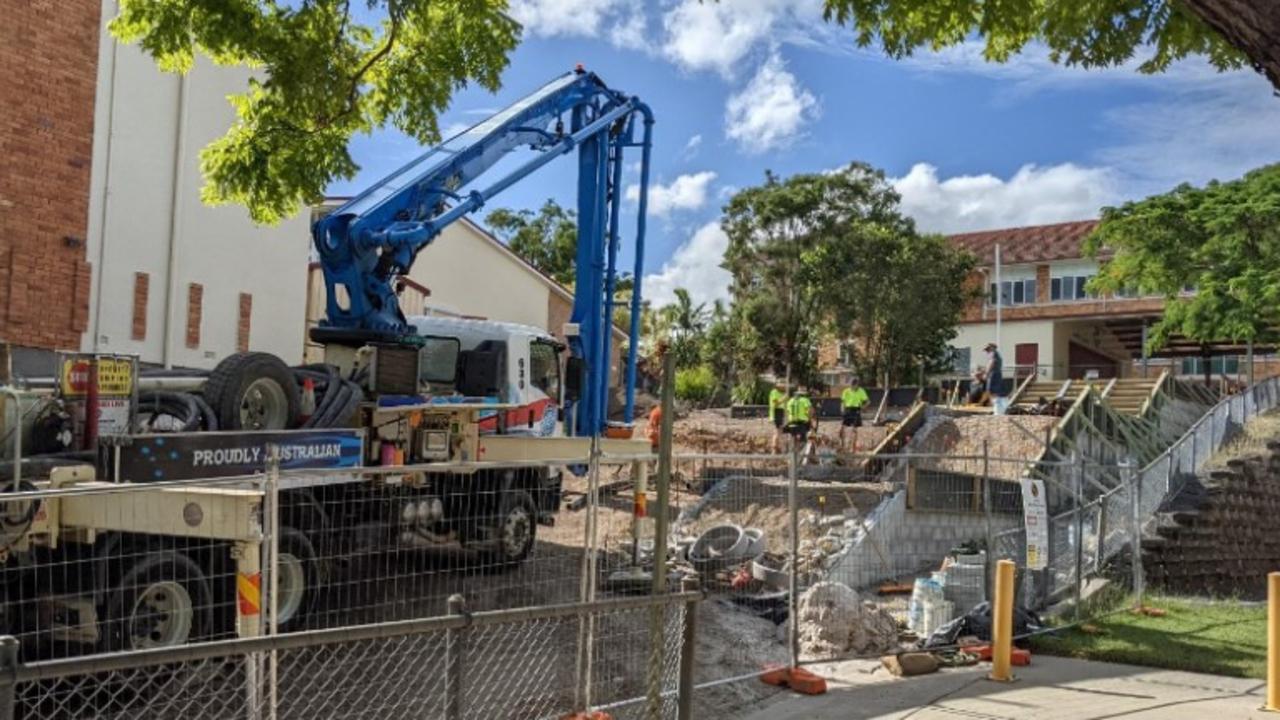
{"x": 518, "y": 664}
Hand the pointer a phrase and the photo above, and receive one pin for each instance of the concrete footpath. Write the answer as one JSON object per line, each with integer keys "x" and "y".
{"x": 1050, "y": 689}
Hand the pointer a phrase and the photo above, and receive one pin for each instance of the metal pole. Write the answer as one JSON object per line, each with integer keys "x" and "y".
{"x": 656, "y": 640}
{"x": 1273, "y": 642}
{"x": 455, "y": 660}
{"x": 272, "y": 513}
{"x": 1079, "y": 507}
{"x": 1135, "y": 507}
{"x": 664, "y": 474}
{"x": 587, "y": 588}
{"x": 999, "y": 299}
{"x": 988, "y": 564}
{"x": 793, "y": 599}
{"x": 1249, "y": 356}
{"x": 8, "y": 667}
{"x": 688, "y": 653}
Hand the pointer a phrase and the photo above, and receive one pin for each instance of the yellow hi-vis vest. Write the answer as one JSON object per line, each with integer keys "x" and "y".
{"x": 798, "y": 409}
{"x": 777, "y": 400}
{"x": 852, "y": 398}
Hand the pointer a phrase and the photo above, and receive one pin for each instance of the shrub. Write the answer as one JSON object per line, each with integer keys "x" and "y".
{"x": 696, "y": 385}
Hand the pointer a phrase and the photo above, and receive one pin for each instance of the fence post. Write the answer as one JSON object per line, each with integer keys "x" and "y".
{"x": 272, "y": 566}
{"x": 1078, "y": 492}
{"x": 8, "y": 673}
{"x": 660, "y": 531}
{"x": 793, "y": 599}
{"x": 989, "y": 562}
{"x": 1135, "y": 508}
{"x": 455, "y": 661}
{"x": 688, "y": 652}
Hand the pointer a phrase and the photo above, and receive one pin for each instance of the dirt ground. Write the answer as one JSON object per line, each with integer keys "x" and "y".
{"x": 713, "y": 431}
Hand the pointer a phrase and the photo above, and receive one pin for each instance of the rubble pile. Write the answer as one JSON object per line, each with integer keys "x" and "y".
{"x": 1014, "y": 437}
{"x": 834, "y": 622}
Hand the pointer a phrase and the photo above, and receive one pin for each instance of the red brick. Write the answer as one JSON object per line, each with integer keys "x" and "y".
{"x": 49, "y": 51}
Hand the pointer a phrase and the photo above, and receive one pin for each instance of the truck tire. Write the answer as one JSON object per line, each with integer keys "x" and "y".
{"x": 299, "y": 580}
{"x": 163, "y": 600}
{"x": 253, "y": 391}
{"x": 513, "y": 532}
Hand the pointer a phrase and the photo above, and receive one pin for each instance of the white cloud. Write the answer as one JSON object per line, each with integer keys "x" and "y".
{"x": 1032, "y": 196}
{"x": 691, "y": 147}
{"x": 719, "y": 35}
{"x": 1208, "y": 131}
{"x": 687, "y": 192}
{"x": 695, "y": 266}
{"x": 771, "y": 111}
{"x": 631, "y": 30}
{"x": 622, "y": 22}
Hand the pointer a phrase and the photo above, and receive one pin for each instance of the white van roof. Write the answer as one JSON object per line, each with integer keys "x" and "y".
{"x": 466, "y": 328}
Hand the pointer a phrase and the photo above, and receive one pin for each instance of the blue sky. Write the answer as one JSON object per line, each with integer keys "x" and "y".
{"x": 739, "y": 86}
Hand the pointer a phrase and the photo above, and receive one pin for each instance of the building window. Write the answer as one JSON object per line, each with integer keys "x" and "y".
{"x": 1070, "y": 287}
{"x": 141, "y": 286}
{"x": 195, "y": 296}
{"x": 242, "y": 322}
{"x": 1013, "y": 292}
{"x": 1220, "y": 365}
{"x": 960, "y": 359}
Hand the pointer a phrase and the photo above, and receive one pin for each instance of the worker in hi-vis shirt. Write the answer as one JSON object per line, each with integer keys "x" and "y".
{"x": 852, "y": 401}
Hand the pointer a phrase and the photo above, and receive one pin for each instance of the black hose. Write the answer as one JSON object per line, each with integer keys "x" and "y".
{"x": 182, "y": 407}
{"x": 336, "y": 398}
{"x": 209, "y": 418}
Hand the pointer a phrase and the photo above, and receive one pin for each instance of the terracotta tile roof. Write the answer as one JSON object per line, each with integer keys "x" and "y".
{"x": 1035, "y": 243}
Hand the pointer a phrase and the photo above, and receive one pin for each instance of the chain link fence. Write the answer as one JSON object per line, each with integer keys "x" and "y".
{"x": 897, "y": 540}
{"x": 511, "y": 664}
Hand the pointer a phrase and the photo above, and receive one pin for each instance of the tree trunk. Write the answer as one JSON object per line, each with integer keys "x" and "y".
{"x": 1250, "y": 26}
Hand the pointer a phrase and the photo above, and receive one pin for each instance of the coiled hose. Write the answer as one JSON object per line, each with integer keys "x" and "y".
{"x": 188, "y": 411}
{"x": 337, "y": 398}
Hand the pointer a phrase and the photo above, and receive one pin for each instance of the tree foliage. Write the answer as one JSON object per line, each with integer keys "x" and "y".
{"x": 323, "y": 71}
{"x": 1223, "y": 240}
{"x": 896, "y": 295}
{"x": 547, "y": 239}
{"x": 776, "y": 233}
{"x": 830, "y": 254}
{"x": 1088, "y": 33}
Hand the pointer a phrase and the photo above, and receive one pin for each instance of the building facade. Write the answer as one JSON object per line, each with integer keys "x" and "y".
{"x": 1047, "y": 323}
{"x": 105, "y": 244}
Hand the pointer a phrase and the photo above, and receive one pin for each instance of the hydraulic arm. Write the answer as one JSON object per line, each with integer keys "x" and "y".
{"x": 375, "y": 237}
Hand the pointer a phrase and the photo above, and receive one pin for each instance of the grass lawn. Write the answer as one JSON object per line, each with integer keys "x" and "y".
{"x": 1218, "y": 637}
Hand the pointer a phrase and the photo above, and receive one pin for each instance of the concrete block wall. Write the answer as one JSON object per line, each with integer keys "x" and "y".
{"x": 896, "y": 542}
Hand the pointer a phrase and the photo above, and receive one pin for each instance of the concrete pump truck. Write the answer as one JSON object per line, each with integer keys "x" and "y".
{"x": 425, "y": 395}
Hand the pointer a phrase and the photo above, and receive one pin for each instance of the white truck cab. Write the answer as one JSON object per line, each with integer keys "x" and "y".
{"x": 513, "y": 364}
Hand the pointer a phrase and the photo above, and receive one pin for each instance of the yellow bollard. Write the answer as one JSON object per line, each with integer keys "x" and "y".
{"x": 1002, "y": 623}
{"x": 1273, "y": 642}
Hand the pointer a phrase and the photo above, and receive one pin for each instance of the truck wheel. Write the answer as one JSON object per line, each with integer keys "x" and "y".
{"x": 253, "y": 391}
{"x": 515, "y": 528}
{"x": 298, "y": 582}
{"x": 162, "y": 601}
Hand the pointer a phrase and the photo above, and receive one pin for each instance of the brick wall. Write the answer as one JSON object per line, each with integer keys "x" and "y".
{"x": 244, "y": 317}
{"x": 49, "y": 52}
{"x": 195, "y": 300}
{"x": 141, "y": 290}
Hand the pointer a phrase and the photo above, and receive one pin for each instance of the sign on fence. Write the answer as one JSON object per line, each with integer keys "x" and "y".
{"x": 1035, "y": 512}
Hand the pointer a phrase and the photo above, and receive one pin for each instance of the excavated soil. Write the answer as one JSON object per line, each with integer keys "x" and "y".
{"x": 1011, "y": 440}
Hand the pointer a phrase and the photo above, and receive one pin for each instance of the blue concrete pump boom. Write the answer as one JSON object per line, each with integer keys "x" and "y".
{"x": 368, "y": 242}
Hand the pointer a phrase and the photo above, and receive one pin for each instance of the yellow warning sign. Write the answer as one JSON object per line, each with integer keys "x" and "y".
{"x": 115, "y": 376}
